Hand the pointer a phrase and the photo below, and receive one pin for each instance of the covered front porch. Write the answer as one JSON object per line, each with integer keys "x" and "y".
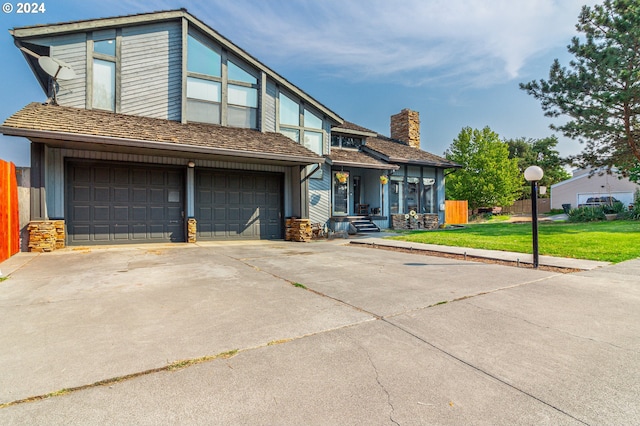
{"x": 359, "y": 193}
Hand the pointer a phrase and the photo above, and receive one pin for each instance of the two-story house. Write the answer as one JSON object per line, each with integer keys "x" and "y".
{"x": 158, "y": 128}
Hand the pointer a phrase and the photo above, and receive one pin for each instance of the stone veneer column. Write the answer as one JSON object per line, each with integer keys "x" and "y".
{"x": 405, "y": 127}
{"x": 192, "y": 229}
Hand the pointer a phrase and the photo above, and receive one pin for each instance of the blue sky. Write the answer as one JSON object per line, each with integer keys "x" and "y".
{"x": 457, "y": 62}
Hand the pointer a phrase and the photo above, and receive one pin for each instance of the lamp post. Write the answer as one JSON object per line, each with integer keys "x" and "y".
{"x": 533, "y": 174}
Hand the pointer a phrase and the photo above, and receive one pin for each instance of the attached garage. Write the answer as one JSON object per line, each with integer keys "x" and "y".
{"x": 123, "y": 203}
{"x": 238, "y": 205}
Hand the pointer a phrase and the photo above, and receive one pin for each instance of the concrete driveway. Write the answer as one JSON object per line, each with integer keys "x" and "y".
{"x": 364, "y": 336}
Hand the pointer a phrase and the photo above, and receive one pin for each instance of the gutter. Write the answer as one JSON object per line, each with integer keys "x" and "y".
{"x": 169, "y": 146}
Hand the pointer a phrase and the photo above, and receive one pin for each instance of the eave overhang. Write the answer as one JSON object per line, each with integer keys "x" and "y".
{"x": 106, "y": 143}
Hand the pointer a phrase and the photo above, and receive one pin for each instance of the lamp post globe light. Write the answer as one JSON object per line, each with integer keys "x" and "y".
{"x": 534, "y": 174}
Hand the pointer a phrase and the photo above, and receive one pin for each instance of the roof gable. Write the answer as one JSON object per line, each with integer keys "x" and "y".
{"x": 25, "y": 33}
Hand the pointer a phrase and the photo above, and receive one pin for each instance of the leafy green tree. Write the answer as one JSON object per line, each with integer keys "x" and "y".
{"x": 488, "y": 177}
{"x": 600, "y": 91}
{"x": 538, "y": 152}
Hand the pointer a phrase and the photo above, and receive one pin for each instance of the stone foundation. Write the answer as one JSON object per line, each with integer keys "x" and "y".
{"x": 46, "y": 235}
{"x": 192, "y": 229}
{"x": 419, "y": 221}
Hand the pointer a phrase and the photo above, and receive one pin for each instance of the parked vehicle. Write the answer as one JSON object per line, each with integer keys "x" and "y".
{"x": 599, "y": 201}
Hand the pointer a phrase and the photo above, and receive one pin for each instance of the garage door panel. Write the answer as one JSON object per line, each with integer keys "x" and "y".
{"x": 139, "y": 195}
{"x": 240, "y": 206}
{"x": 139, "y": 232}
{"x": 157, "y": 195}
{"x": 121, "y": 175}
{"x": 220, "y": 197}
{"x": 121, "y": 232}
{"x": 100, "y": 232}
{"x": 101, "y": 193}
{"x": 124, "y": 203}
{"x": 101, "y": 213}
{"x": 101, "y": 175}
{"x": 81, "y": 193}
{"x": 157, "y": 178}
{"x": 83, "y": 213}
{"x": 120, "y": 195}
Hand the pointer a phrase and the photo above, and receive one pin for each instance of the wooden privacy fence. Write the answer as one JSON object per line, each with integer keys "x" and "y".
{"x": 524, "y": 206}
{"x": 456, "y": 212}
{"x": 9, "y": 220}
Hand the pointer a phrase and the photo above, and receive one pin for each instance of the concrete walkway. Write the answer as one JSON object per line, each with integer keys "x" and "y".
{"x": 319, "y": 333}
{"x": 559, "y": 262}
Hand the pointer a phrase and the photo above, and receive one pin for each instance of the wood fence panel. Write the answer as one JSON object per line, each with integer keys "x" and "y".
{"x": 524, "y": 206}
{"x": 456, "y": 212}
{"x": 9, "y": 219}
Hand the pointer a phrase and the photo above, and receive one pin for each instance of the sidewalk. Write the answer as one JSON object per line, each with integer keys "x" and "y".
{"x": 557, "y": 262}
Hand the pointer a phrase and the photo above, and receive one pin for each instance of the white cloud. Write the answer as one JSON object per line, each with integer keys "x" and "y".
{"x": 418, "y": 42}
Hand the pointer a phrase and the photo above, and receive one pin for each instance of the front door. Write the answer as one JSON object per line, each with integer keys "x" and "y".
{"x": 356, "y": 193}
{"x": 340, "y": 193}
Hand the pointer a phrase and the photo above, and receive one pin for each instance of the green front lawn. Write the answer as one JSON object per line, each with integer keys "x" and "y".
{"x": 614, "y": 241}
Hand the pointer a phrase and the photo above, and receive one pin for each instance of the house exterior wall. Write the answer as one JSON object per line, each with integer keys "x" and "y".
{"x": 576, "y": 190}
{"x": 72, "y": 49}
{"x": 320, "y": 196}
{"x": 151, "y": 71}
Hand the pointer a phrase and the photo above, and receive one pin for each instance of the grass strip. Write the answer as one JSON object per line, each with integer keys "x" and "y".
{"x": 614, "y": 241}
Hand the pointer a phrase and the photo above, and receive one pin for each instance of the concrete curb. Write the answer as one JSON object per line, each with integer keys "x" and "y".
{"x": 556, "y": 262}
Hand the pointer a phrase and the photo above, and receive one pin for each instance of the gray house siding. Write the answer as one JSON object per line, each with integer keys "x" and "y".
{"x": 151, "y": 67}
{"x": 320, "y": 196}
{"x": 269, "y": 106}
{"x": 71, "y": 49}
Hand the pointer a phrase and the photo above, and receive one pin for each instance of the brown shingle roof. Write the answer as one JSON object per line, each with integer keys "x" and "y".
{"x": 350, "y": 157}
{"x": 398, "y": 152}
{"x": 66, "y": 123}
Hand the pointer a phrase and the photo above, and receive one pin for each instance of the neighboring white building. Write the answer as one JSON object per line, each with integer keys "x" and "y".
{"x": 584, "y": 185}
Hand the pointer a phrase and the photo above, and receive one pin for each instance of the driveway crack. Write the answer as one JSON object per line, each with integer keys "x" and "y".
{"x": 551, "y": 328}
{"x": 380, "y": 385}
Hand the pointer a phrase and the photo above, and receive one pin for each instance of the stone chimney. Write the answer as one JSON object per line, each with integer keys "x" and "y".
{"x": 405, "y": 127}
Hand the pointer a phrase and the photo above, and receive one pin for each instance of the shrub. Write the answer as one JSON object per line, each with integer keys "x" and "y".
{"x": 587, "y": 214}
{"x": 634, "y": 213}
{"x": 615, "y": 208}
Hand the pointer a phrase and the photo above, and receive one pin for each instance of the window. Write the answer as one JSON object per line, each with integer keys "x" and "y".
{"x": 202, "y": 59}
{"x": 203, "y": 100}
{"x": 340, "y": 141}
{"x": 204, "y": 82}
{"x": 289, "y": 111}
{"x": 396, "y": 199}
{"x": 429, "y": 205}
{"x": 103, "y": 82}
{"x": 313, "y": 141}
{"x": 413, "y": 190}
{"x": 311, "y": 120}
{"x": 242, "y": 94}
{"x": 301, "y": 124}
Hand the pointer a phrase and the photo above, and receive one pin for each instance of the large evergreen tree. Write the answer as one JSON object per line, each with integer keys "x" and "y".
{"x": 600, "y": 91}
{"x": 488, "y": 177}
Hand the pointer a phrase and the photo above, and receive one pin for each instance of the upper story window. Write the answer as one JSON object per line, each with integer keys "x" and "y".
{"x": 342, "y": 141}
{"x": 242, "y": 97}
{"x": 104, "y": 59}
{"x": 300, "y": 124}
{"x": 204, "y": 82}
{"x": 219, "y": 90}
